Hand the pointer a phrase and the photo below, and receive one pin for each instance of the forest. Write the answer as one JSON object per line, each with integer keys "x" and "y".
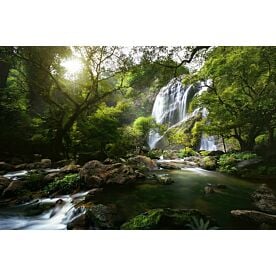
{"x": 133, "y": 138}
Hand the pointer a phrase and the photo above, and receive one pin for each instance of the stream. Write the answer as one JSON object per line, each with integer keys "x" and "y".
{"x": 187, "y": 191}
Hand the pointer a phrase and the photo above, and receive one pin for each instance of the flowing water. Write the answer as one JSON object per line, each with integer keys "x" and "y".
{"x": 187, "y": 191}
{"x": 41, "y": 214}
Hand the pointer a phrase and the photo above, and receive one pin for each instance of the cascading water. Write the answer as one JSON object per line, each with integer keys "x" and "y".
{"x": 171, "y": 108}
{"x": 207, "y": 142}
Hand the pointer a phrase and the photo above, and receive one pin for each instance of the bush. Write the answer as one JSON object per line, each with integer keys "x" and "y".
{"x": 209, "y": 163}
{"x": 67, "y": 184}
{"x": 227, "y": 162}
{"x": 204, "y": 153}
{"x": 186, "y": 152}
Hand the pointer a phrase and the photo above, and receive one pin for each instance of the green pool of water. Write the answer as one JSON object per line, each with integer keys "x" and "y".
{"x": 187, "y": 191}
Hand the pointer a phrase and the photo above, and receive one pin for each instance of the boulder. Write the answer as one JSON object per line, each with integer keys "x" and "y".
{"x": 167, "y": 218}
{"x": 143, "y": 162}
{"x": 102, "y": 217}
{"x": 170, "y": 165}
{"x": 208, "y": 163}
{"x": 96, "y": 174}
{"x": 78, "y": 223}
{"x": 4, "y": 183}
{"x": 45, "y": 163}
{"x": 71, "y": 168}
{"x": 245, "y": 164}
{"x": 16, "y": 187}
{"x": 256, "y": 218}
{"x": 264, "y": 199}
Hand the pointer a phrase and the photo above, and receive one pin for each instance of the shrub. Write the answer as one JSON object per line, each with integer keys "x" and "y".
{"x": 227, "y": 162}
{"x": 186, "y": 152}
{"x": 67, "y": 184}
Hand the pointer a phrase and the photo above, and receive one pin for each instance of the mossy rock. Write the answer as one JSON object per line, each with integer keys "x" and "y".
{"x": 208, "y": 163}
{"x": 165, "y": 219}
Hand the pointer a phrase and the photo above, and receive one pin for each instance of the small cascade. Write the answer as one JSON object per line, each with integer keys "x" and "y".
{"x": 207, "y": 142}
{"x": 46, "y": 213}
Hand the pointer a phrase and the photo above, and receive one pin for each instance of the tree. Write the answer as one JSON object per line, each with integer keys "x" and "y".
{"x": 241, "y": 97}
{"x": 103, "y": 72}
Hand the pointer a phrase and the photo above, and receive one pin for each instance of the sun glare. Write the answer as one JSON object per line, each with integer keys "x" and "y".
{"x": 72, "y": 66}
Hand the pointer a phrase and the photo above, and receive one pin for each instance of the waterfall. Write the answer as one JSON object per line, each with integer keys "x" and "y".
{"x": 171, "y": 108}
{"x": 207, "y": 142}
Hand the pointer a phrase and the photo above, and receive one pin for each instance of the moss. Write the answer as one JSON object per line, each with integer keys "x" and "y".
{"x": 164, "y": 219}
{"x": 209, "y": 163}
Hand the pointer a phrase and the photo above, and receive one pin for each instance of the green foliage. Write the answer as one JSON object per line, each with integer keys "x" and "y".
{"x": 200, "y": 224}
{"x": 34, "y": 180}
{"x": 204, "y": 153}
{"x": 144, "y": 124}
{"x": 154, "y": 154}
{"x": 68, "y": 184}
{"x": 186, "y": 152}
{"x": 228, "y": 161}
{"x": 241, "y": 99}
{"x": 209, "y": 163}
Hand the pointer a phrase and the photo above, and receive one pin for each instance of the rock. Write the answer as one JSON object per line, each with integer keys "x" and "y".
{"x": 16, "y": 187}
{"x": 71, "y": 168}
{"x": 208, "y": 163}
{"x": 45, "y": 163}
{"x": 170, "y": 165}
{"x": 21, "y": 167}
{"x": 109, "y": 161}
{"x": 143, "y": 162}
{"x": 96, "y": 174}
{"x": 256, "y": 218}
{"x": 264, "y": 199}
{"x": 209, "y": 189}
{"x": 101, "y": 217}
{"x": 4, "y": 183}
{"x": 50, "y": 177}
{"x": 165, "y": 219}
{"x": 78, "y": 223}
{"x": 6, "y": 167}
{"x": 163, "y": 179}
{"x": 92, "y": 193}
{"x": 245, "y": 164}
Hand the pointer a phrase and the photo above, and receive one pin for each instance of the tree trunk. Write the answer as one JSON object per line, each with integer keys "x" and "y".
{"x": 4, "y": 73}
{"x": 271, "y": 136}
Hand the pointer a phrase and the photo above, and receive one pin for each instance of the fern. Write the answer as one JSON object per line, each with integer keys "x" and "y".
{"x": 199, "y": 224}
